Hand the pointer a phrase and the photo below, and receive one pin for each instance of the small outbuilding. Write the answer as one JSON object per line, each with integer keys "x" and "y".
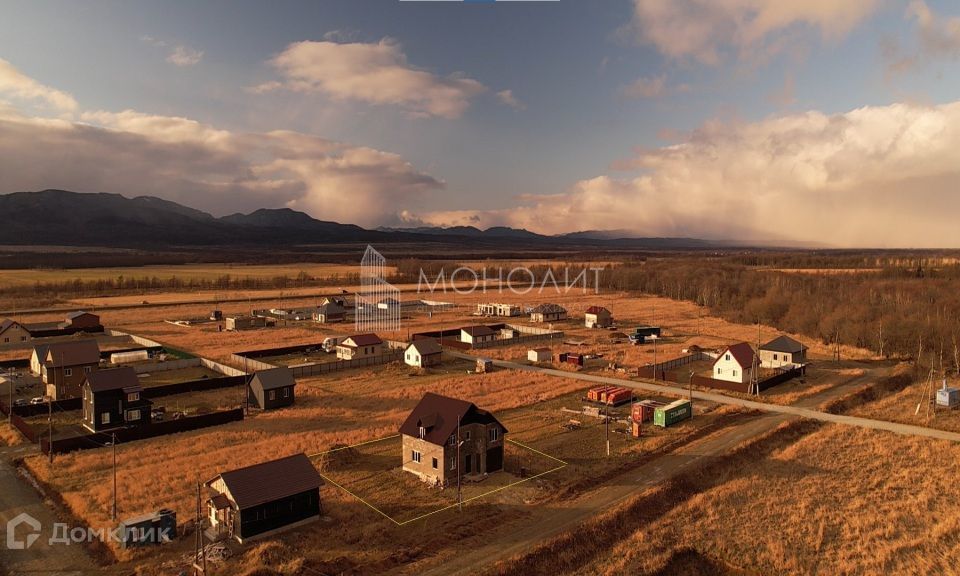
{"x": 477, "y": 334}
{"x": 548, "y": 313}
{"x": 423, "y": 352}
{"x": 330, "y": 312}
{"x": 155, "y": 528}
{"x": 539, "y": 355}
{"x": 237, "y": 323}
{"x": 782, "y": 352}
{"x": 484, "y": 365}
{"x": 597, "y": 317}
{"x": 359, "y": 346}
{"x": 270, "y": 389}
{"x": 263, "y": 499}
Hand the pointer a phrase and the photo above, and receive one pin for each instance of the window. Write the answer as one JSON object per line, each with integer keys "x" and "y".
{"x": 104, "y": 417}
{"x": 5, "y": 340}
{"x": 423, "y": 432}
{"x": 68, "y": 371}
{"x": 272, "y": 395}
{"x": 133, "y": 415}
{"x": 466, "y": 435}
{"x": 415, "y": 456}
{"x": 452, "y": 440}
{"x": 453, "y": 462}
{"x": 133, "y": 396}
{"x": 775, "y": 357}
{"x": 435, "y": 464}
{"x": 719, "y": 371}
{"x": 23, "y": 338}
{"x": 494, "y": 434}
{"x": 286, "y": 392}
{"x": 734, "y": 372}
{"x": 88, "y": 369}
{"x": 727, "y": 357}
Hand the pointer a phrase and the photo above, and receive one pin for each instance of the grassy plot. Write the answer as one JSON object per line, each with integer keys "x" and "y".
{"x": 372, "y": 472}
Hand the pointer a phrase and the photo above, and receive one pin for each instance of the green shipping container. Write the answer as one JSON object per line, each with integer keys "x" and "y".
{"x": 670, "y": 414}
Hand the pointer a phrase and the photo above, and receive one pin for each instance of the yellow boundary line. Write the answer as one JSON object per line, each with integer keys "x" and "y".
{"x": 445, "y": 508}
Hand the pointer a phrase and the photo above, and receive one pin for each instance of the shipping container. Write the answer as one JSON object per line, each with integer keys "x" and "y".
{"x": 643, "y": 410}
{"x": 619, "y": 396}
{"x": 672, "y": 413}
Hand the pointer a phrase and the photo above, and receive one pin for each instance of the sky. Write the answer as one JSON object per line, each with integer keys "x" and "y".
{"x": 766, "y": 121}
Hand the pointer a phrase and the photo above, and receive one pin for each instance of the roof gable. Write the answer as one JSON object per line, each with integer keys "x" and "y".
{"x": 477, "y": 330}
{"x": 115, "y": 379}
{"x": 426, "y": 346}
{"x": 743, "y": 354}
{"x": 362, "y": 340}
{"x": 439, "y": 415}
{"x": 72, "y": 353}
{"x": 597, "y": 310}
{"x": 784, "y": 344}
{"x": 273, "y": 379}
{"x": 268, "y": 481}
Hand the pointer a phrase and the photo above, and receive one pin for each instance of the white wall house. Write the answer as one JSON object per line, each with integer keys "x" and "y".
{"x": 782, "y": 352}
{"x": 422, "y": 353}
{"x": 735, "y": 364}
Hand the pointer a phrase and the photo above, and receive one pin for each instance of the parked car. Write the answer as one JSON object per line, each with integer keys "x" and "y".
{"x": 38, "y": 400}
{"x": 157, "y": 414}
{"x": 20, "y": 402}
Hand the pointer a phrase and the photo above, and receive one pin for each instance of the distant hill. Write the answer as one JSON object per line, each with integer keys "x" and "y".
{"x": 64, "y": 218}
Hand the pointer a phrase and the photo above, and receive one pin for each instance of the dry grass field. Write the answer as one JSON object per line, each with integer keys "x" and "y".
{"x": 805, "y": 499}
{"x": 185, "y": 272}
{"x": 911, "y": 405}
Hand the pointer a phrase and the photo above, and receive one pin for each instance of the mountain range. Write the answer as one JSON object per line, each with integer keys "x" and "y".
{"x": 61, "y": 217}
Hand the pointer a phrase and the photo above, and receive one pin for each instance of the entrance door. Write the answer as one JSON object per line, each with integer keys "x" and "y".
{"x": 495, "y": 459}
{"x": 468, "y": 464}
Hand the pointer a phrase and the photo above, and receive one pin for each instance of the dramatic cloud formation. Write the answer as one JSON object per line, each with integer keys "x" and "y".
{"x": 704, "y": 30}
{"x": 874, "y": 176}
{"x": 220, "y": 171}
{"x": 178, "y": 54}
{"x": 372, "y": 73}
{"x": 14, "y": 84}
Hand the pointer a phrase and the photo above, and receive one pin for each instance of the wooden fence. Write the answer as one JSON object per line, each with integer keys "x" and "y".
{"x": 667, "y": 370}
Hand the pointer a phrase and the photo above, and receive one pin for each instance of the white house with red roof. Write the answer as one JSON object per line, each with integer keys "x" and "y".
{"x": 735, "y": 364}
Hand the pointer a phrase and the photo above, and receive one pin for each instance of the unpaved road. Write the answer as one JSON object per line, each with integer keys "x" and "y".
{"x": 17, "y": 496}
{"x": 802, "y": 409}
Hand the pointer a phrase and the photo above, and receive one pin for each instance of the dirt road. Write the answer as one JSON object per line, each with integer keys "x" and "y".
{"x": 41, "y": 557}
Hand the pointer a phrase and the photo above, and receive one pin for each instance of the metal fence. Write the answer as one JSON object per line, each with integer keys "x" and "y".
{"x": 327, "y": 367}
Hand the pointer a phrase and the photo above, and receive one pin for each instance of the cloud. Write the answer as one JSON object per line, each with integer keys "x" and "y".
{"x": 376, "y": 73}
{"x": 873, "y": 176}
{"x": 177, "y": 54}
{"x": 15, "y": 84}
{"x": 202, "y": 166}
{"x": 937, "y": 36}
{"x": 704, "y": 30}
{"x": 184, "y": 56}
{"x": 507, "y": 97}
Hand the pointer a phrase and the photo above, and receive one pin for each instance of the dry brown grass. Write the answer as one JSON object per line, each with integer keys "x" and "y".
{"x": 836, "y": 500}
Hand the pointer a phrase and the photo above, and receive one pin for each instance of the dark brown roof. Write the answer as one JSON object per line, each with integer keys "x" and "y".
{"x": 220, "y": 502}
{"x": 477, "y": 330}
{"x": 72, "y": 353}
{"x": 6, "y": 324}
{"x": 597, "y": 310}
{"x": 75, "y": 315}
{"x": 438, "y": 414}
{"x": 115, "y": 379}
{"x": 363, "y": 340}
{"x": 784, "y": 344}
{"x": 269, "y": 481}
{"x": 743, "y": 353}
{"x": 426, "y": 346}
{"x": 274, "y": 379}
{"x": 548, "y": 309}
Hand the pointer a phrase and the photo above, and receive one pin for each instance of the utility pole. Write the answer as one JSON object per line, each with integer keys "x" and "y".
{"x": 113, "y": 442}
{"x": 459, "y": 466}
{"x": 10, "y": 405}
{"x": 50, "y": 424}
{"x": 690, "y": 389}
{"x": 199, "y": 550}
{"x": 606, "y": 419}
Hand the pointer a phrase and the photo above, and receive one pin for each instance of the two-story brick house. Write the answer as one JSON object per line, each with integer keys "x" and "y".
{"x": 430, "y": 440}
